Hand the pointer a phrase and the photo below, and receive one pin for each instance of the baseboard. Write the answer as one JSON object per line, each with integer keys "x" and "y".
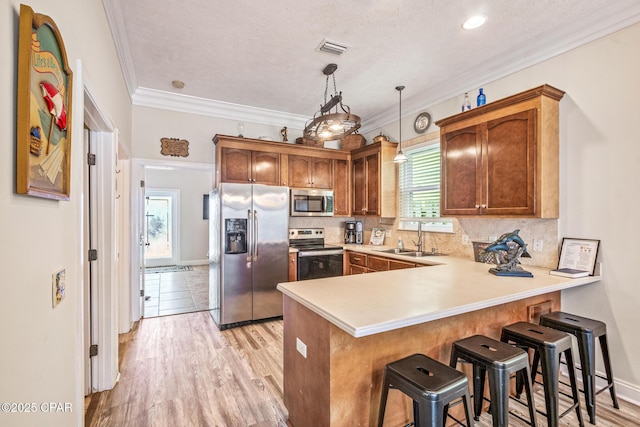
{"x": 624, "y": 390}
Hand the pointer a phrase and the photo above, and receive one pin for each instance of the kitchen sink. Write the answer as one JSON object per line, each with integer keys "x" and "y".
{"x": 396, "y": 251}
{"x": 421, "y": 254}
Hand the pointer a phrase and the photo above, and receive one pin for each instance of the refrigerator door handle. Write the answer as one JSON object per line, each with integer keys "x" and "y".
{"x": 255, "y": 235}
{"x": 249, "y": 220}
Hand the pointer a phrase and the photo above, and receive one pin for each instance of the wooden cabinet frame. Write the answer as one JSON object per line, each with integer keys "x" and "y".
{"x": 502, "y": 159}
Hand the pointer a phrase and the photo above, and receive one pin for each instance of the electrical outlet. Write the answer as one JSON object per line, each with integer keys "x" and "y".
{"x": 387, "y": 234}
{"x": 301, "y": 347}
{"x": 465, "y": 239}
{"x": 537, "y": 245}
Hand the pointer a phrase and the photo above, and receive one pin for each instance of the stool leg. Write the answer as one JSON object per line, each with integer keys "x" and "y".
{"x": 587, "y": 349}
{"x": 467, "y": 410}
{"x": 383, "y": 398}
{"x": 550, "y": 371}
{"x": 499, "y": 391}
{"x": 607, "y": 367}
{"x": 478, "y": 389}
{"x": 430, "y": 414}
{"x": 574, "y": 384}
{"x": 526, "y": 379}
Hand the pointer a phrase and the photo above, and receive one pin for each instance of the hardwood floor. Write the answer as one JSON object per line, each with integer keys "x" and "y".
{"x": 182, "y": 371}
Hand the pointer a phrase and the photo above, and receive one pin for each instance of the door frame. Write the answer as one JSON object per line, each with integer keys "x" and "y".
{"x": 104, "y": 321}
{"x": 138, "y": 175}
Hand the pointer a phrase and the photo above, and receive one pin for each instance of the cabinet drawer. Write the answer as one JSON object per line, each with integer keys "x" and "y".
{"x": 399, "y": 265}
{"x": 357, "y": 259}
{"x": 378, "y": 264}
{"x": 356, "y": 269}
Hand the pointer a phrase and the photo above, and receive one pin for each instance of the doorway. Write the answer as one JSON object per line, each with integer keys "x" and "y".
{"x": 161, "y": 227}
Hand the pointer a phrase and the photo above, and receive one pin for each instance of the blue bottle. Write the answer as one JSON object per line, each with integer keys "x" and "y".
{"x": 482, "y": 99}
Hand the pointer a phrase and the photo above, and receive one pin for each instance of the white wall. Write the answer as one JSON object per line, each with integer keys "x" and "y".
{"x": 41, "y": 360}
{"x": 599, "y": 178}
{"x": 193, "y": 230}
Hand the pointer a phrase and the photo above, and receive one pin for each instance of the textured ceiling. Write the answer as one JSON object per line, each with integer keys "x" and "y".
{"x": 263, "y": 53}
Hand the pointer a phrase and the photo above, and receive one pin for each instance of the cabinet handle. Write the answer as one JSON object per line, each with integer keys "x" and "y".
{"x": 356, "y": 258}
{"x": 477, "y": 206}
{"x": 483, "y": 206}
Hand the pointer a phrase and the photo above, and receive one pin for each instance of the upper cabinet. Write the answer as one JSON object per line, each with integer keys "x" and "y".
{"x": 501, "y": 159}
{"x": 310, "y": 172}
{"x": 247, "y": 166}
{"x": 375, "y": 178}
{"x": 341, "y": 187}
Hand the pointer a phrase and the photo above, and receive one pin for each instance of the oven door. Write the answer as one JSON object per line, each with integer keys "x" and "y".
{"x": 318, "y": 264}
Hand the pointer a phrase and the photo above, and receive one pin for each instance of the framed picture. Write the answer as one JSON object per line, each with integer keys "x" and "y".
{"x": 579, "y": 254}
{"x": 43, "y": 146}
{"x": 377, "y": 236}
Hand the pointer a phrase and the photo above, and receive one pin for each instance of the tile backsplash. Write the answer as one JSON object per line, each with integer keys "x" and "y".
{"x": 477, "y": 229}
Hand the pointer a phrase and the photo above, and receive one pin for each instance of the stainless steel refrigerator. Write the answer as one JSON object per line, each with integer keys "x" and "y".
{"x": 248, "y": 252}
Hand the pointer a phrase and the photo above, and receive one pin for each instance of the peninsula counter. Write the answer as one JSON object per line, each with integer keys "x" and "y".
{"x": 350, "y": 327}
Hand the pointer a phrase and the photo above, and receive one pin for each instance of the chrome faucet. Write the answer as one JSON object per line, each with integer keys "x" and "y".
{"x": 419, "y": 242}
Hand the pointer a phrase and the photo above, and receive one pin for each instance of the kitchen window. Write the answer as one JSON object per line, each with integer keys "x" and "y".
{"x": 419, "y": 199}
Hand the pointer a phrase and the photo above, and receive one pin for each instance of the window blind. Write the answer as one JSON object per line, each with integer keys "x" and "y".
{"x": 420, "y": 183}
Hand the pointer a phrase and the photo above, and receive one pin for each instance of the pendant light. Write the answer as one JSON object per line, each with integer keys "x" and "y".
{"x": 327, "y": 125}
{"x": 400, "y": 157}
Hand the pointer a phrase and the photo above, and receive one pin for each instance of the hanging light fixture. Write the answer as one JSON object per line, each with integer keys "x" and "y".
{"x": 327, "y": 125}
{"x": 400, "y": 156}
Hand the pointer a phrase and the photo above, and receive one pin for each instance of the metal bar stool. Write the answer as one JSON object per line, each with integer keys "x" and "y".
{"x": 499, "y": 360}
{"x": 432, "y": 386}
{"x": 586, "y": 331}
{"x": 548, "y": 345}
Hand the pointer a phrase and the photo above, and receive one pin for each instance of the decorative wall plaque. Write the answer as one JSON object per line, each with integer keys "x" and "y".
{"x": 174, "y": 147}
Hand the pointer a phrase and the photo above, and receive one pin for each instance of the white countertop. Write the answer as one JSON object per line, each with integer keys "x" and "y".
{"x": 366, "y": 304}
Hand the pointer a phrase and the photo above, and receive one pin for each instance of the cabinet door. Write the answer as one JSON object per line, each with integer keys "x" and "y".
{"x": 372, "y": 173}
{"x": 377, "y": 264}
{"x": 461, "y": 173}
{"x": 265, "y": 168}
{"x": 341, "y": 187}
{"x": 356, "y": 269}
{"x": 509, "y": 164}
{"x": 293, "y": 266}
{"x": 235, "y": 165}
{"x": 300, "y": 171}
{"x": 359, "y": 187}
{"x": 322, "y": 173}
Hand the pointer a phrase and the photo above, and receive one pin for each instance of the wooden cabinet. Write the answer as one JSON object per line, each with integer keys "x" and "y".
{"x": 247, "y": 166}
{"x": 375, "y": 179}
{"x": 293, "y": 266}
{"x": 245, "y": 160}
{"x": 341, "y": 187}
{"x": 502, "y": 159}
{"x": 359, "y": 263}
{"x": 310, "y": 172}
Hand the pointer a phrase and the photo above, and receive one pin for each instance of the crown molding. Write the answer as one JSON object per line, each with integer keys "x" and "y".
{"x": 618, "y": 16}
{"x": 146, "y": 97}
{"x": 115, "y": 17}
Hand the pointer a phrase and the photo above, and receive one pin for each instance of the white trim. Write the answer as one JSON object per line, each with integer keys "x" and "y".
{"x": 115, "y": 17}
{"x": 146, "y": 97}
{"x": 105, "y": 135}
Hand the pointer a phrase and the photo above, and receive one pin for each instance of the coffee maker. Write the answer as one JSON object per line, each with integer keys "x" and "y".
{"x": 353, "y": 232}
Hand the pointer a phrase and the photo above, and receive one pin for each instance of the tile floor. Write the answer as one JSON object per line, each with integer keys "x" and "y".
{"x": 177, "y": 292}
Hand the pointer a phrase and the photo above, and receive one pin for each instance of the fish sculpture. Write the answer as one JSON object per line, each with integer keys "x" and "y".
{"x": 511, "y": 247}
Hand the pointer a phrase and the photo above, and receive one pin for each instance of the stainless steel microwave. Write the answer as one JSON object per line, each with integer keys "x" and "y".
{"x": 307, "y": 202}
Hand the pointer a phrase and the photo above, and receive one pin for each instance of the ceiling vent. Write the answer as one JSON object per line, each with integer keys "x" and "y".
{"x": 331, "y": 47}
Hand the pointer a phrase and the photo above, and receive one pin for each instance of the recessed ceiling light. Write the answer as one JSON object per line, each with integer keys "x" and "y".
{"x": 474, "y": 22}
{"x": 177, "y": 84}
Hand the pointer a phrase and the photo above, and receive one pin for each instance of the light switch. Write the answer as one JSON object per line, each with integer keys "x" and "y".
{"x": 301, "y": 347}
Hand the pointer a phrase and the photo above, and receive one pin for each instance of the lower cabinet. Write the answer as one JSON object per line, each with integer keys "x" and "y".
{"x": 360, "y": 263}
{"x": 293, "y": 266}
